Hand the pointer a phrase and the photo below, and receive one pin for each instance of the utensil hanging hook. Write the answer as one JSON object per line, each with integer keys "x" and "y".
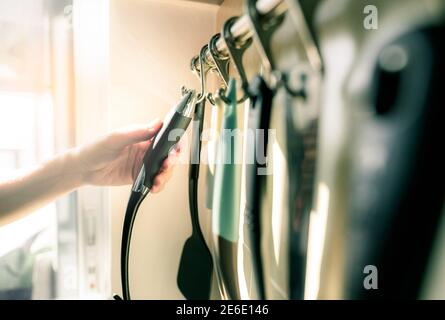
{"x": 262, "y": 33}
{"x": 221, "y": 62}
{"x": 307, "y": 38}
{"x": 204, "y": 68}
{"x": 236, "y": 52}
{"x": 221, "y": 65}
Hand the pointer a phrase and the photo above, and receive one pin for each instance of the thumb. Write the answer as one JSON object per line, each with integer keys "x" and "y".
{"x": 135, "y": 133}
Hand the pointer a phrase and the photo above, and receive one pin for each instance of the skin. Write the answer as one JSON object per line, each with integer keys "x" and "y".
{"x": 112, "y": 160}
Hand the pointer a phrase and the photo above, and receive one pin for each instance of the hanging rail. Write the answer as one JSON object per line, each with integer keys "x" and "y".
{"x": 241, "y": 28}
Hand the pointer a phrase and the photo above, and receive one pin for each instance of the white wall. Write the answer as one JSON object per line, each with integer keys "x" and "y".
{"x": 151, "y": 44}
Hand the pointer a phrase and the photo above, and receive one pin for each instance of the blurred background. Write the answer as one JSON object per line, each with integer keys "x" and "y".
{"x": 42, "y": 256}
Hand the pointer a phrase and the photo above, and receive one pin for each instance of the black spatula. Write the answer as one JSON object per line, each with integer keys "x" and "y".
{"x": 196, "y": 265}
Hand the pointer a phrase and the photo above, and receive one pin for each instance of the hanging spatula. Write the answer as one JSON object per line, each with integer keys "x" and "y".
{"x": 196, "y": 264}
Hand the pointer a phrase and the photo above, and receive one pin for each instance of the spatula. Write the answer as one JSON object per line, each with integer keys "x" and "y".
{"x": 196, "y": 264}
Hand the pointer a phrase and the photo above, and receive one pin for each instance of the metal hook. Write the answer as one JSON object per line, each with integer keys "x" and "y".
{"x": 221, "y": 62}
{"x": 196, "y": 70}
{"x": 236, "y": 51}
{"x": 211, "y": 99}
{"x": 220, "y": 93}
{"x": 204, "y": 68}
{"x": 263, "y": 34}
{"x": 305, "y": 34}
{"x": 299, "y": 92}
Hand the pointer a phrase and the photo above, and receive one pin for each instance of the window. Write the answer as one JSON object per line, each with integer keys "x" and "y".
{"x": 61, "y": 251}
{"x": 26, "y": 137}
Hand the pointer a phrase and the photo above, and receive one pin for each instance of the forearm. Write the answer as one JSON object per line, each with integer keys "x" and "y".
{"x": 114, "y": 159}
{"x": 38, "y": 187}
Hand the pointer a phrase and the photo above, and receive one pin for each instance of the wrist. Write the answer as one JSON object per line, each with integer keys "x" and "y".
{"x": 73, "y": 170}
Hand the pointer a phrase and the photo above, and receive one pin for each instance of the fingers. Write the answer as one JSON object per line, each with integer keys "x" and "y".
{"x": 141, "y": 148}
{"x": 134, "y": 134}
{"x": 172, "y": 159}
{"x": 166, "y": 171}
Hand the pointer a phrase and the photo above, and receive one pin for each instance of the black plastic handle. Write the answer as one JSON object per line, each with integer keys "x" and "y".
{"x": 165, "y": 141}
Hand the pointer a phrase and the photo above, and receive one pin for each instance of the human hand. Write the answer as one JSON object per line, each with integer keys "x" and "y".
{"x": 117, "y": 158}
